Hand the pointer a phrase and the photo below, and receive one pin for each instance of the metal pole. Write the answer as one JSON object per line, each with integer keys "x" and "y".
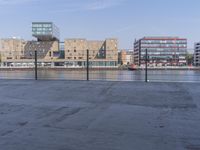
{"x": 87, "y": 65}
{"x": 146, "y": 69}
{"x": 36, "y": 77}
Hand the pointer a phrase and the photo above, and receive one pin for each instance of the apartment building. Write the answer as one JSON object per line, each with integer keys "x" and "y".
{"x": 197, "y": 54}
{"x": 12, "y": 49}
{"x": 101, "y": 53}
{"x": 126, "y": 57}
{"x": 50, "y": 51}
{"x": 46, "y": 43}
{"x": 46, "y": 50}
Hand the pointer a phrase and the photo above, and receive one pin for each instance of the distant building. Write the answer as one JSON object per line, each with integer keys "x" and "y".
{"x": 52, "y": 52}
{"x": 101, "y": 53}
{"x": 12, "y": 49}
{"x": 126, "y": 57}
{"x": 197, "y": 54}
{"x": 130, "y": 57}
{"x": 46, "y": 50}
{"x": 122, "y": 57}
{"x": 45, "y": 31}
{"x": 162, "y": 51}
{"x": 47, "y": 44}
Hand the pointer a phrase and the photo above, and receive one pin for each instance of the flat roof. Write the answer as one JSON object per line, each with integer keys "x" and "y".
{"x": 163, "y": 38}
{"x": 42, "y": 23}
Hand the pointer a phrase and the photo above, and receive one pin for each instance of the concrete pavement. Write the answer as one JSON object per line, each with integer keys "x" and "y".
{"x": 95, "y": 115}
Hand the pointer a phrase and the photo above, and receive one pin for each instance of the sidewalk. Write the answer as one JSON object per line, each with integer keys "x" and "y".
{"x": 80, "y": 115}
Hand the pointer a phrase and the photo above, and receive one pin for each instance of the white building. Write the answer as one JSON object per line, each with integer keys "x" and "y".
{"x": 129, "y": 57}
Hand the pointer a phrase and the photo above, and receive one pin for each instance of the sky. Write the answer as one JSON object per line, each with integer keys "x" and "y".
{"x": 125, "y": 20}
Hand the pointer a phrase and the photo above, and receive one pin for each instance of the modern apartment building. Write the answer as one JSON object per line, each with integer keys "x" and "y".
{"x": 47, "y": 43}
{"x": 12, "y": 49}
{"x": 101, "y": 53}
{"x": 162, "y": 51}
{"x": 197, "y": 54}
{"x": 52, "y": 52}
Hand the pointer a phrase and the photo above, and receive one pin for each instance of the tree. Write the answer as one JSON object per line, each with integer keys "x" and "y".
{"x": 189, "y": 58}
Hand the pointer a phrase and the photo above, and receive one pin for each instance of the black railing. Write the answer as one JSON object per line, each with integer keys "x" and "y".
{"x": 36, "y": 68}
{"x": 89, "y": 65}
{"x": 146, "y": 66}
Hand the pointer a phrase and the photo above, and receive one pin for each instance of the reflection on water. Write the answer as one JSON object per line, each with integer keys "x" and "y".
{"x": 112, "y": 75}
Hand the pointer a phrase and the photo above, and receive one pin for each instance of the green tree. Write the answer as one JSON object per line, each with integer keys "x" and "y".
{"x": 189, "y": 59}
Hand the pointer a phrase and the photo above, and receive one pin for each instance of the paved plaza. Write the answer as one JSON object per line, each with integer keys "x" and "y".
{"x": 96, "y": 115}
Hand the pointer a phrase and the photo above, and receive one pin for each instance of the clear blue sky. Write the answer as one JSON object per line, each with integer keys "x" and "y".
{"x": 98, "y": 19}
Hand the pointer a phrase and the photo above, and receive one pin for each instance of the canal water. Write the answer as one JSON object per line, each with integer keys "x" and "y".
{"x": 107, "y": 75}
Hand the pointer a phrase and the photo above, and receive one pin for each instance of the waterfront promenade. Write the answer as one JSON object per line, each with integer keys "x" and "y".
{"x": 81, "y": 115}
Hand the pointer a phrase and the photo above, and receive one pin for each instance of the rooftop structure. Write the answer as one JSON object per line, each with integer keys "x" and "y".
{"x": 45, "y": 31}
{"x": 47, "y": 44}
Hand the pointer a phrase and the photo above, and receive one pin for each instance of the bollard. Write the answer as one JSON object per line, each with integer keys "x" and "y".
{"x": 87, "y": 65}
{"x": 36, "y": 77}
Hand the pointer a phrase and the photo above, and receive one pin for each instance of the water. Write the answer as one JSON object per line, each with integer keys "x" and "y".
{"x": 109, "y": 75}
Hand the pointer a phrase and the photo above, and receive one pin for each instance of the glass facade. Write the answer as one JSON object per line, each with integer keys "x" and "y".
{"x": 161, "y": 51}
{"x": 92, "y": 63}
{"x": 42, "y": 29}
{"x": 45, "y": 31}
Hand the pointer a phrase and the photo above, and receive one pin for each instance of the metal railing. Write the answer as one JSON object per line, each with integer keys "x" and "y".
{"x": 90, "y": 65}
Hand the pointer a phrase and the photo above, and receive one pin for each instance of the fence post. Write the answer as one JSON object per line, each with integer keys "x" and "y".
{"x": 36, "y": 77}
{"x": 146, "y": 66}
{"x": 87, "y": 65}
